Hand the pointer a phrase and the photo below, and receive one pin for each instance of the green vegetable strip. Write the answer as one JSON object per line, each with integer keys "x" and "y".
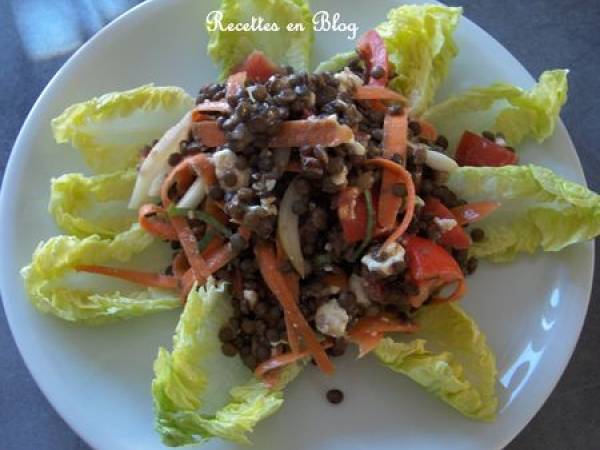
{"x": 370, "y": 224}
{"x": 210, "y": 220}
{"x": 204, "y": 217}
{"x": 203, "y": 243}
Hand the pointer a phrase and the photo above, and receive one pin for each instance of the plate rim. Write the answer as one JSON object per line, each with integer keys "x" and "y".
{"x": 13, "y": 158}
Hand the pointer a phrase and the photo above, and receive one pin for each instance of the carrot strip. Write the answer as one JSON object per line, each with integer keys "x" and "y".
{"x": 410, "y": 199}
{"x": 152, "y": 218}
{"x": 180, "y": 264}
{"x": 267, "y": 263}
{"x": 146, "y": 278}
{"x": 395, "y": 130}
{"x": 292, "y": 280}
{"x": 189, "y": 244}
{"x": 293, "y": 133}
{"x": 215, "y": 261}
{"x": 184, "y": 173}
{"x": 369, "y": 331}
{"x": 327, "y": 132}
{"x": 428, "y": 131}
{"x": 372, "y": 92}
{"x": 268, "y": 372}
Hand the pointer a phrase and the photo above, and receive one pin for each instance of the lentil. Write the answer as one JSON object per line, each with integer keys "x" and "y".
{"x": 335, "y": 396}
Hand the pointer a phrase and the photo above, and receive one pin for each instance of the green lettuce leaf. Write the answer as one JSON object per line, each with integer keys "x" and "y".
{"x": 55, "y": 259}
{"x": 548, "y": 211}
{"x": 450, "y": 358}
{"x": 515, "y": 112}
{"x": 336, "y": 62}
{"x": 111, "y": 130}
{"x": 420, "y": 44}
{"x": 74, "y": 196}
{"x": 190, "y": 385}
{"x": 229, "y": 48}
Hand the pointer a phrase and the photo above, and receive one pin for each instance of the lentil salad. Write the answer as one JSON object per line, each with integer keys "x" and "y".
{"x": 308, "y": 212}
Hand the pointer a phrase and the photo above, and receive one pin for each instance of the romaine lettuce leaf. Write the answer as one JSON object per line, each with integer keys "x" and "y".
{"x": 111, "y": 130}
{"x": 549, "y": 212}
{"x": 450, "y": 358}
{"x": 229, "y": 48}
{"x": 190, "y": 385}
{"x": 82, "y": 206}
{"x": 53, "y": 260}
{"x": 420, "y": 44}
{"x": 336, "y": 62}
{"x": 515, "y": 112}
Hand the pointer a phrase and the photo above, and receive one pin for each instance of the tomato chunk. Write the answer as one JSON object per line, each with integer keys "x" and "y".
{"x": 475, "y": 150}
{"x": 455, "y": 237}
{"x": 258, "y": 67}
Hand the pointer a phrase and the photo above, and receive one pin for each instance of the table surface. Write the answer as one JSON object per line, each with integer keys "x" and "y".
{"x": 542, "y": 34}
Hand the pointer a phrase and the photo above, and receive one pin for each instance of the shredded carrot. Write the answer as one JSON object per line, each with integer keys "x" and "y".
{"x": 410, "y": 199}
{"x": 267, "y": 263}
{"x": 215, "y": 261}
{"x": 368, "y": 331}
{"x": 428, "y": 131}
{"x": 292, "y": 280}
{"x": 152, "y": 218}
{"x": 268, "y": 371}
{"x": 189, "y": 243}
{"x": 366, "y": 342}
{"x": 395, "y": 129}
{"x": 293, "y": 133}
{"x": 372, "y": 92}
{"x": 180, "y": 264}
{"x": 203, "y": 166}
{"x": 146, "y": 278}
{"x": 198, "y": 116}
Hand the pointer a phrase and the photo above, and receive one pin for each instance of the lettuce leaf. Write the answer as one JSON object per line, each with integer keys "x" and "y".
{"x": 515, "y": 112}
{"x": 229, "y": 48}
{"x": 450, "y": 358}
{"x": 190, "y": 385}
{"x": 111, "y": 130}
{"x": 53, "y": 260}
{"x": 336, "y": 62}
{"x": 549, "y": 212}
{"x": 420, "y": 44}
{"x": 72, "y": 196}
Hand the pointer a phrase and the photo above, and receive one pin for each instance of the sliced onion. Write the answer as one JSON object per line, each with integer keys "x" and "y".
{"x": 194, "y": 195}
{"x": 287, "y": 228}
{"x": 156, "y": 163}
{"x": 440, "y": 162}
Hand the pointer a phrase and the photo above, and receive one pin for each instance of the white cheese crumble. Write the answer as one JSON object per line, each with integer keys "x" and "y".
{"x": 445, "y": 224}
{"x": 348, "y": 80}
{"x": 392, "y": 255}
{"x": 251, "y": 297}
{"x": 419, "y": 201}
{"x": 224, "y": 161}
{"x": 357, "y": 286}
{"x": 339, "y": 179}
{"x": 331, "y": 319}
{"x": 268, "y": 204}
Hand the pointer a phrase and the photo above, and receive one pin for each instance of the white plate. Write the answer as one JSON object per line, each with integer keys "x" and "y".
{"x": 98, "y": 378}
